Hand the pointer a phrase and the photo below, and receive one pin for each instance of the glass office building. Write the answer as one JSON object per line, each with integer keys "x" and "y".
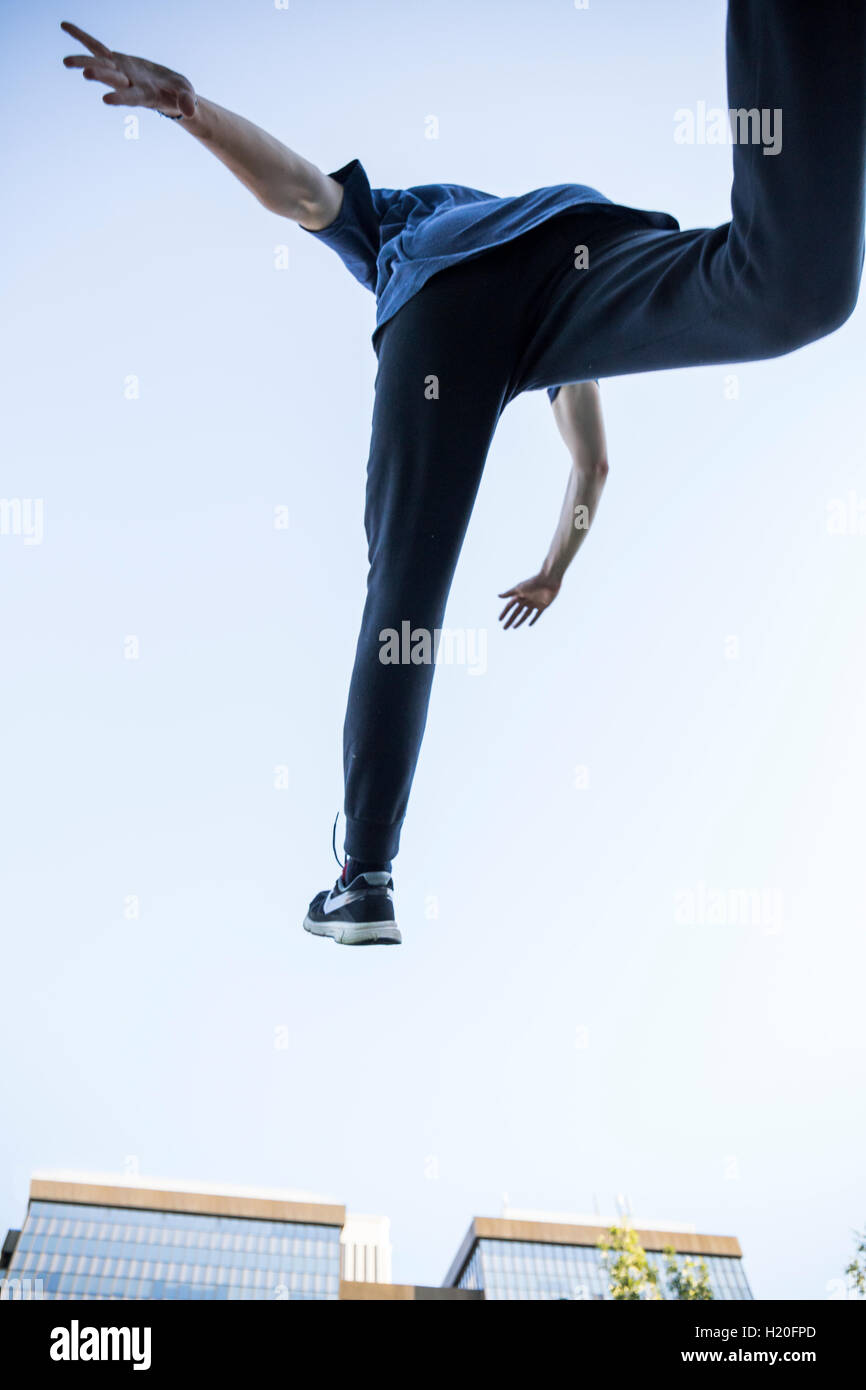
{"x": 528, "y": 1260}
{"x": 92, "y": 1241}
{"x": 97, "y": 1237}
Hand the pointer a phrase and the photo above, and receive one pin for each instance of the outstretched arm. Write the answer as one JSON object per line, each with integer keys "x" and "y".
{"x": 577, "y": 411}
{"x": 282, "y": 181}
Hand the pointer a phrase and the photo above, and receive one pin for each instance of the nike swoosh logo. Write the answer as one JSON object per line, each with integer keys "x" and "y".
{"x": 332, "y": 904}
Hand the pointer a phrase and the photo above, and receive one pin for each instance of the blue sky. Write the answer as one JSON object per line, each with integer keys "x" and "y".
{"x": 565, "y": 1021}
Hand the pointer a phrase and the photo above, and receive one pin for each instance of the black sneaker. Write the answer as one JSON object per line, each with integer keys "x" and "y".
{"x": 360, "y": 913}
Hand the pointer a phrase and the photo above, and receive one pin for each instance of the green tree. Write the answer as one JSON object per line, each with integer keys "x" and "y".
{"x": 630, "y": 1274}
{"x": 688, "y": 1281}
{"x": 856, "y": 1270}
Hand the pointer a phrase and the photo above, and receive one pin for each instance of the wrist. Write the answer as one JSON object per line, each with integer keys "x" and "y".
{"x": 552, "y": 572}
{"x": 195, "y": 123}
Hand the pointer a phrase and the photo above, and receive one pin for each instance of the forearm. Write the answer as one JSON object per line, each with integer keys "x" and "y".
{"x": 578, "y": 414}
{"x": 282, "y": 181}
{"x": 585, "y": 486}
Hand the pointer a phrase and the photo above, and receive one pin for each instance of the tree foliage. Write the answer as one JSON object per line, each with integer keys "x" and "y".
{"x": 689, "y": 1281}
{"x": 632, "y": 1276}
{"x": 856, "y": 1270}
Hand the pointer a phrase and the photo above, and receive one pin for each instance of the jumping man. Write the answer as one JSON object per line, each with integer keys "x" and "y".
{"x": 480, "y": 298}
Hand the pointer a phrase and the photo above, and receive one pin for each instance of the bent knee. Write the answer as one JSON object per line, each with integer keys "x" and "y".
{"x": 804, "y": 315}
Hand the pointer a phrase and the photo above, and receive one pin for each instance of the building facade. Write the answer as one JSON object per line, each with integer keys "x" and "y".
{"x": 92, "y": 1239}
{"x": 533, "y": 1260}
{"x": 96, "y": 1237}
{"x": 366, "y": 1249}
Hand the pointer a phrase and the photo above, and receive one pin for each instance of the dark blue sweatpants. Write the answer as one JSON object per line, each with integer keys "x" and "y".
{"x": 784, "y": 272}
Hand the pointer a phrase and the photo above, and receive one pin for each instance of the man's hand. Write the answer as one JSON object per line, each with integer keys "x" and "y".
{"x": 136, "y": 81}
{"x": 528, "y": 600}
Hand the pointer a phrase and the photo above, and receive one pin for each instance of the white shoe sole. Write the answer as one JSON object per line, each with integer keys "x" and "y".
{"x": 362, "y": 934}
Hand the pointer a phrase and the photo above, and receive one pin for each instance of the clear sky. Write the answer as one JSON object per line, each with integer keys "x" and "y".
{"x": 565, "y": 1020}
